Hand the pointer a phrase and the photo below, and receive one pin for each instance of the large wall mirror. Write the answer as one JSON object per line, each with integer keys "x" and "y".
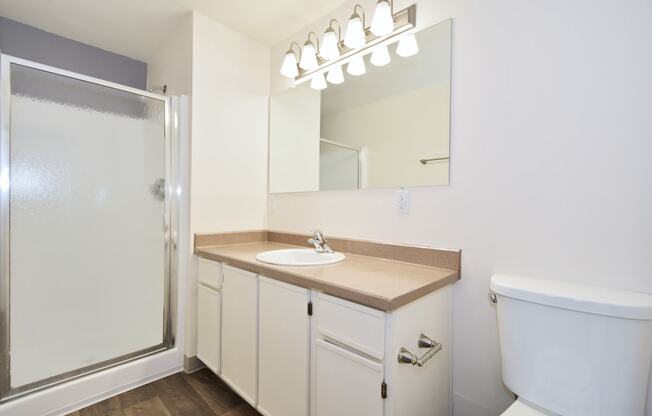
{"x": 389, "y": 127}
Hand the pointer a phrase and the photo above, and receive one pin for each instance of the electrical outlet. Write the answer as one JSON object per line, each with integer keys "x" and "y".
{"x": 403, "y": 201}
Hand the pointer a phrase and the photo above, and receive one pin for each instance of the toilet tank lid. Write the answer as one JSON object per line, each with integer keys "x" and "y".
{"x": 574, "y": 296}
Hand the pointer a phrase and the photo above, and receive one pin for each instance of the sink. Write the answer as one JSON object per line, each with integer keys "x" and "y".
{"x": 299, "y": 257}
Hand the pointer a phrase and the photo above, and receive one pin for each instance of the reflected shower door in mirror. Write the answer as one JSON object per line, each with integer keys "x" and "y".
{"x": 388, "y": 127}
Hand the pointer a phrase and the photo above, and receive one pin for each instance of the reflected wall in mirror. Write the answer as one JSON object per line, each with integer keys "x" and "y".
{"x": 389, "y": 127}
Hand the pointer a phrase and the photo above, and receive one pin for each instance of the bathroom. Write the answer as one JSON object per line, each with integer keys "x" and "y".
{"x": 520, "y": 184}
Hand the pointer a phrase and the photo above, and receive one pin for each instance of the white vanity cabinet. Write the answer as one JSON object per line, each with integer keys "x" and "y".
{"x": 355, "y": 368}
{"x": 347, "y": 365}
{"x": 291, "y": 351}
{"x": 284, "y": 340}
{"x": 209, "y": 310}
{"x": 240, "y": 332}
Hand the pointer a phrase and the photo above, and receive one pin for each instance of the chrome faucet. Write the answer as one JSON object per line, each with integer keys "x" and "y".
{"x": 320, "y": 242}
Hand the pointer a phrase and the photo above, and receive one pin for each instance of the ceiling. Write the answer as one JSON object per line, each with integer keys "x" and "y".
{"x": 135, "y": 28}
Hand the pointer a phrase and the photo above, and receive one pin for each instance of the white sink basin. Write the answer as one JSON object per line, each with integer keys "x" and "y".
{"x": 299, "y": 257}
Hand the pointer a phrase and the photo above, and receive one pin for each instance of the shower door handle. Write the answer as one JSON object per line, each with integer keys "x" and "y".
{"x": 158, "y": 189}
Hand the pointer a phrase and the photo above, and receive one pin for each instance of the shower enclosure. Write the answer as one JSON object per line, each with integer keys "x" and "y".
{"x": 86, "y": 216}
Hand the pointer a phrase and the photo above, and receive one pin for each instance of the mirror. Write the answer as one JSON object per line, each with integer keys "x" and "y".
{"x": 389, "y": 127}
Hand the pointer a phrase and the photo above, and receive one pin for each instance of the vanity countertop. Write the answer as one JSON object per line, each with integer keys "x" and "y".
{"x": 377, "y": 282}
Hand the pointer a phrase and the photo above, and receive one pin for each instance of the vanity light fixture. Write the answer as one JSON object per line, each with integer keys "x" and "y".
{"x": 383, "y": 21}
{"x": 318, "y": 82}
{"x": 407, "y": 46}
{"x": 356, "y": 66}
{"x": 380, "y": 56}
{"x": 328, "y": 57}
{"x": 289, "y": 68}
{"x": 335, "y": 75}
{"x": 330, "y": 42}
{"x": 308, "y": 59}
{"x": 355, "y": 36}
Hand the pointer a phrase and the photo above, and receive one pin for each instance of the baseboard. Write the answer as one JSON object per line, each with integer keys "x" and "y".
{"x": 463, "y": 406}
{"x": 114, "y": 392}
{"x": 192, "y": 364}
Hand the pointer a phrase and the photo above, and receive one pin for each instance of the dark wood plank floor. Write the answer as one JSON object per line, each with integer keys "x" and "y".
{"x": 197, "y": 394}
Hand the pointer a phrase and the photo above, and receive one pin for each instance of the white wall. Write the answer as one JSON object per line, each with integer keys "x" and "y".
{"x": 550, "y": 170}
{"x": 171, "y": 62}
{"x": 230, "y": 89}
{"x": 227, "y": 76}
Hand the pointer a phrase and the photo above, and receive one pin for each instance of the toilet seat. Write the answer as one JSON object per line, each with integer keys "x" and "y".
{"x": 520, "y": 408}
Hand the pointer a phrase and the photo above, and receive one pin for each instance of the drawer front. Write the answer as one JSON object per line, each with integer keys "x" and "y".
{"x": 356, "y": 326}
{"x": 209, "y": 273}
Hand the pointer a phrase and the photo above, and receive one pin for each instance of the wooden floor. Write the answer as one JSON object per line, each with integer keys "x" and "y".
{"x": 197, "y": 394}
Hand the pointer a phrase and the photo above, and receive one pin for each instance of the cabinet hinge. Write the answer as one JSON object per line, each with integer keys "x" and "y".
{"x": 310, "y": 308}
{"x": 383, "y": 390}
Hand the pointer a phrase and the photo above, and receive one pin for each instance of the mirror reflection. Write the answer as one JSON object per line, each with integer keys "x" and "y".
{"x": 388, "y": 127}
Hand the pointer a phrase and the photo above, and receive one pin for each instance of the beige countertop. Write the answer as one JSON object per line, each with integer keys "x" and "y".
{"x": 372, "y": 281}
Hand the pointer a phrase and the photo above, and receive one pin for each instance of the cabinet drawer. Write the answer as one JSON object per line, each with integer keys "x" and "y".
{"x": 209, "y": 273}
{"x": 350, "y": 324}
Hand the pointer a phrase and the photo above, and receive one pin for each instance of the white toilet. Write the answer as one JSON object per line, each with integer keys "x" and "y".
{"x": 573, "y": 350}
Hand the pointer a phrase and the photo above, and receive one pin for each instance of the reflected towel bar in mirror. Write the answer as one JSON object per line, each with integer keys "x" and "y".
{"x": 435, "y": 159}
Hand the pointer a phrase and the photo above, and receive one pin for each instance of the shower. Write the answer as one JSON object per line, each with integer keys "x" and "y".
{"x": 88, "y": 224}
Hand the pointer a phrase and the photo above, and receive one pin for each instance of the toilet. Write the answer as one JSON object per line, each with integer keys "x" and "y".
{"x": 573, "y": 350}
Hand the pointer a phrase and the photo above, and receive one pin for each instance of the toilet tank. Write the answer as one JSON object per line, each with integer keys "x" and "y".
{"x": 572, "y": 349}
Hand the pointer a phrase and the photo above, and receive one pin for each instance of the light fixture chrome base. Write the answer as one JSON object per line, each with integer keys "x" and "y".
{"x": 404, "y": 21}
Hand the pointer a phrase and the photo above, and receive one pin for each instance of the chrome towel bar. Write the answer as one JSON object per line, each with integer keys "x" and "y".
{"x": 406, "y": 357}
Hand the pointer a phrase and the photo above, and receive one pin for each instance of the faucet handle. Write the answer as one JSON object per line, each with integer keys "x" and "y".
{"x": 317, "y": 235}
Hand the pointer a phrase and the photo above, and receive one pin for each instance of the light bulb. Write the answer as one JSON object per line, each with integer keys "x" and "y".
{"x": 380, "y": 56}
{"x": 335, "y": 75}
{"x": 308, "y": 57}
{"x": 329, "y": 48}
{"x": 407, "y": 46}
{"x": 289, "y": 67}
{"x": 383, "y": 23}
{"x": 356, "y": 66}
{"x": 318, "y": 82}
{"x": 355, "y": 37}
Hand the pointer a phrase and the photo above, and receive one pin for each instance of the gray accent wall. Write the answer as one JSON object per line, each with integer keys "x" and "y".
{"x": 27, "y": 42}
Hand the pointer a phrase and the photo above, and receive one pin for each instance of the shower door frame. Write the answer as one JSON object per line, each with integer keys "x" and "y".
{"x": 171, "y": 206}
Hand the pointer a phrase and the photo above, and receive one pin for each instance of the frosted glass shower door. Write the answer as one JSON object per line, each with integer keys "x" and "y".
{"x": 88, "y": 261}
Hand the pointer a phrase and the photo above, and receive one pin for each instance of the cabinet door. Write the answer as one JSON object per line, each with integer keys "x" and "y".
{"x": 345, "y": 383}
{"x": 284, "y": 342}
{"x": 240, "y": 332}
{"x": 208, "y": 327}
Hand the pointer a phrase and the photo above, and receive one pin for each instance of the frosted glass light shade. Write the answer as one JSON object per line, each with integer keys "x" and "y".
{"x": 318, "y": 82}
{"x": 289, "y": 66}
{"x": 335, "y": 75}
{"x": 356, "y": 66}
{"x": 308, "y": 57}
{"x": 380, "y": 56}
{"x": 329, "y": 49}
{"x": 355, "y": 37}
{"x": 407, "y": 46}
{"x": 383, "y": 23}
